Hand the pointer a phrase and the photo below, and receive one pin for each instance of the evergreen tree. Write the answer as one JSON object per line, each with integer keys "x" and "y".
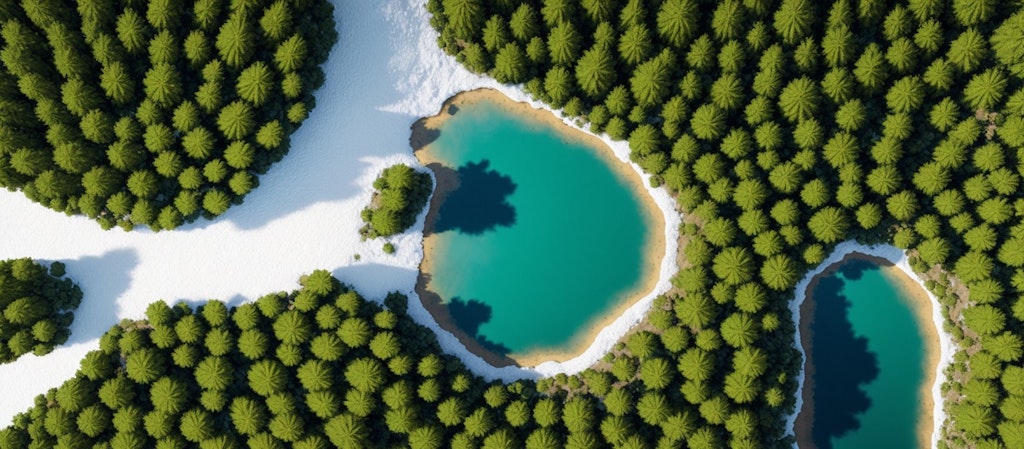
{"x": 510, "y": 64}
{"x": 524, "y": 23}
{"x": 799, "y": 99}
{"x": 563, "y": 43}
{"x": 676, "y": 20}
{"x": 235, "y": 40}
{"x": 968, "y": 50}
{"x": 793, "y": 20}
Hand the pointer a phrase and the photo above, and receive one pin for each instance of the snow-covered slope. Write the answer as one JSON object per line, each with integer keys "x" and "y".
{"x": 385, "y": 72}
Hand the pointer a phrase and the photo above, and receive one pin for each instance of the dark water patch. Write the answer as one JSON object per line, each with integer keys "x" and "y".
{"x": 867, "y": 359}
{"x": 469, "y": 315}
{"x": 537, "y": 227}
{"x": 843, "y": 364}
{"x": 480, "y": 202}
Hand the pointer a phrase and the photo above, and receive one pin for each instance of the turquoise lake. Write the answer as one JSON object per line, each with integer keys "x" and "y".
{"x": 869, "y": 362}
{"x": 542, "y": 238}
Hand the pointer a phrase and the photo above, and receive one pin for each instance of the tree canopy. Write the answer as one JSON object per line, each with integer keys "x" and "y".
{"x": 147, "y": 91}
{"x": 784, "y": 128}
{"x": 400, "y": 194}
{"x": 37, "y": 305}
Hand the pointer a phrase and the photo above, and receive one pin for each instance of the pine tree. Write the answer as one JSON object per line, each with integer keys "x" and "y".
{"x": 793, "y": 20}
{"x": 495, "y": 33}
{"x": 464, "y": 17}
{"x": 649, "y": 82}
{"x": 968, "y": 50}
{"x": 277, "y": 20}
{"x": 1007, "y": 41}
{"x": 871, "y": 69}
{"x": 143, "y": 184}
{"x": 132, "y": 31}
{"x": 779, "y": 272}
{"x": 163, "y": 85}
{"x": 564, "y": 43}
{"x": 728, "y": 20}
{"x": 734, "y": 265}
{"x": 197, "y": 48}
{"x": 510, "y": 64}
{"x": 144, "y": 366}
{"x": 236, "y": 120}
{"x": 985, "y": 90}
{"x": 635, "y": 44}
{"x": 198, "y": 143}
{"x": 708, "y": 122}
{"x": 676, "y": 21}
{"x": 236, "y": 41}
{"x": 799, "y": 99}
{"x": 524, "y": 23}
{"x": 365, "y": 374}
{"x": 556, "y": 12}
{"x": 168, "y": 164}
{"x": 559, "y": 85}
{"x": 906, "y": 95}
{"x": 739, "y": 330}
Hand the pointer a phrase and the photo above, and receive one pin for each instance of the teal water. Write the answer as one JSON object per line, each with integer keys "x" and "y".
{"x": 869, "y": 362}
{"x": 541, "y": 239}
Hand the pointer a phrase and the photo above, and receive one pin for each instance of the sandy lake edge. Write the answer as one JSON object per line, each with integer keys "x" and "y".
{"x": 661, "y": 215}
{"x": 909, "y": 281}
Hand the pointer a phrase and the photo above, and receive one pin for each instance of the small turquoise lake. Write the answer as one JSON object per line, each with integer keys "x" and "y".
{"x": 541, "y": 240}
{"x": 869, "y": 361}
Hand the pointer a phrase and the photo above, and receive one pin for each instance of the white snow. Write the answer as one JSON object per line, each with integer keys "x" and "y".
{"x": 900, "y": 260}
{"x": 385, "y": 72}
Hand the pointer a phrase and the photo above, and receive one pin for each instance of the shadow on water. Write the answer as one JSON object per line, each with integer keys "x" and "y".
{"x": 843, "y": 365}
{"x": 479, "y": 203}
{"x": 463, "y": 319}
{"x": 469, "y": 316}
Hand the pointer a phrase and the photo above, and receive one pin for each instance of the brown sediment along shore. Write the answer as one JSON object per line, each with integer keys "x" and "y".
{"x": 921, "y": 305}
{"x": 426, "y": 130}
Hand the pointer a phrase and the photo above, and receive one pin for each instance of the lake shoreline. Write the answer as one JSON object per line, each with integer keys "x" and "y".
{"x": 424, "y": 132}
{"x": 937, "y": 345}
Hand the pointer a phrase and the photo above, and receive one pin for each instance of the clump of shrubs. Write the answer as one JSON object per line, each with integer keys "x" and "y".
{"x": 401, "y": 193}
{"x": 36, "y": 307}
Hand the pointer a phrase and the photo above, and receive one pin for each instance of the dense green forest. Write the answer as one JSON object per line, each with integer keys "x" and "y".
{"x": 318, "y": 368}
{"x": 153, "y": 112}
{"x": 400, "y": 193}
{"x": 36, "y": 307}
{"x": 784, "y": 127}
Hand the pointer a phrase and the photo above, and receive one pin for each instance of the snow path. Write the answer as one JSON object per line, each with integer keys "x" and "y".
{"x": 385, "y": 73}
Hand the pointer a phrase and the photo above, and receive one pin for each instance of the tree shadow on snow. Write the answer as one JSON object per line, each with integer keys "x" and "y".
{"x": 843, "y": 364}
{"x": 103, "y": 280}
{"x": 353, "y": 124}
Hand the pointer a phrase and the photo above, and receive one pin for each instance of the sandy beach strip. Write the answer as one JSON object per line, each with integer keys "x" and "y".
{"x": 938, "y": 346}
{"x": 424, "y": 132}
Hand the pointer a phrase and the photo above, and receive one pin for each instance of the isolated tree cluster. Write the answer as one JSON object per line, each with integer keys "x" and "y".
{"x": 153, "y": 112}
{"x": 784, "y": 127}
{"x": 36, "y": 307}
{"x": 400, "y": 195}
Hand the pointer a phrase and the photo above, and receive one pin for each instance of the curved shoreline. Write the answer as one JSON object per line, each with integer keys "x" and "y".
{"x": 656, "y": 252}
{"x": 926, "y": 309}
